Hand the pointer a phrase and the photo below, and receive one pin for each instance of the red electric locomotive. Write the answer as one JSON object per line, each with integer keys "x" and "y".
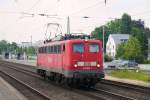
{"x": 73, "y": 59}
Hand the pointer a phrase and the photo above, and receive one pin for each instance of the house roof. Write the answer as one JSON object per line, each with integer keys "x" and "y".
{"x": 117, "y": 37}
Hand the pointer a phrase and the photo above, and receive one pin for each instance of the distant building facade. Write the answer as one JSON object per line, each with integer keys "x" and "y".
{"x": 25, "y": 44}
{"x": 113, "y": 41}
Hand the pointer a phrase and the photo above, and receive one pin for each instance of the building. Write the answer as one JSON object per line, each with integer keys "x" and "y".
{"x": 113, "y": 41}
{"x": 25, "y": 44}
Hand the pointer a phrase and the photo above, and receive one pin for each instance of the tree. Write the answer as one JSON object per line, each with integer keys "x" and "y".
{"x": 126, "y": 24}
{"x": 132, "y": 50}
{"x": 14, "y": 46}
{"x": 114, "y": 26}
{"x": 3, "y": 46}
{"x": 138, "y": 24}
{"x": 120, "y": 50}
{"x": 31, "y": 51}
{"x": 141, "y": 35}
{"x": 98, "y": 33}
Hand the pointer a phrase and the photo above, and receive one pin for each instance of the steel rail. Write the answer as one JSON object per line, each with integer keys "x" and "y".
{"x": 138, "y": 88}
{"x": 25, "y": 85}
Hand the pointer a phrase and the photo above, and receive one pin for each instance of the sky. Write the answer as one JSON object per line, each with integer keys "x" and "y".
{"x": 16, "y": 23}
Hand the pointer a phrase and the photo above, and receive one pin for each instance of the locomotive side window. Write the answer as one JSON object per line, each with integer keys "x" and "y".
{"x": 55, "y": 49}
{"x": 48, "y": 49}
{"x": 44, "y": 49}
{"x": 78, "y": 48}
{"x": 52, "y": 49}
{"x": 59, "y": 48}
{"x": 94, "y": 48}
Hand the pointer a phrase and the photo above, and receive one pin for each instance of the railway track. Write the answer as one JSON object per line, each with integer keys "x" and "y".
{"x": 25, "y": 89}
{"x": 97, "y": 93}
{"x": 113, "y": 95}
{"x": 126, "y": 85}
{"x": 133, "y": 91}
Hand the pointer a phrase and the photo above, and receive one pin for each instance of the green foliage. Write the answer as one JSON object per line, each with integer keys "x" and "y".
{"x": 120, "y": 50}
{"x": 107, "y": 58}
{"x": 142, "y": 37}
{"x": 133, "y": 49}
{"x": 31, "y": 51}
{"x": 98, "y": 33}
{"x": 3, "y": 46}
{"x": 126, "y": 24}
{"x": 114, "y": 26}
{"x": 12, "y": 47}
{"x": 28, "y": 51}
{"x": 130, "y": 50}
{"x": 7, "y": 47}
{"x": 131, "y": 74}
{"x": 146, "y": 62}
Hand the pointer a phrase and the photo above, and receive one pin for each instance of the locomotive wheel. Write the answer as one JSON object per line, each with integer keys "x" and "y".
{"x": 58, "y": 78}
{"x": 76, "y": 83}
{"x": 42, "y": 73}
{"x": 69, "y": 82}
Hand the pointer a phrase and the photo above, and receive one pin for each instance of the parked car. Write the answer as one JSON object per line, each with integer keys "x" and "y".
{"x": 116, "y": 64}
{"x": 132, "y": 63}
{"x": 122, "y": 63}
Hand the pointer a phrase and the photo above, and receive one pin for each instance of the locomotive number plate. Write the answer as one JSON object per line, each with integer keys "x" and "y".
{"x": 87, "y": 63}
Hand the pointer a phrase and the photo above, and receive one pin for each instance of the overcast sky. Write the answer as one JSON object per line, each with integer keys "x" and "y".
{"x": 19, "y": 27}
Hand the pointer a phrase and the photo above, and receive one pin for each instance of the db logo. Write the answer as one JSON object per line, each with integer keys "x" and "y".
{"x": 49, "y": 60}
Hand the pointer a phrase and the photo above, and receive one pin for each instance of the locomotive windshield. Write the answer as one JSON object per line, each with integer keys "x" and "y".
{"x": 78, "y": 48}
{"x": 94, "y": 48}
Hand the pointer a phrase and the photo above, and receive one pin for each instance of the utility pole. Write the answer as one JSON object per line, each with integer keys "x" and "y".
{"x": 68, "y": 25}
{"x": 103, "y": 42}
{"x": 31, "y": 40}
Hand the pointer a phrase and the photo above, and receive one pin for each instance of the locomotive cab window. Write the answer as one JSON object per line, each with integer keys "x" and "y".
{"x": 93, "y": 48}
{"x": 78, "y": 48}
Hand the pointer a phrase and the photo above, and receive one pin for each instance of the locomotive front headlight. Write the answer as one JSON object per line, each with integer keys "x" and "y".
{"x": 75, "y": 65}
{"x": 98, "y": 65}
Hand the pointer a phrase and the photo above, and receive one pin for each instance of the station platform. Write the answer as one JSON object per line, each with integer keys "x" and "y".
{"x": 135, "y": 82}
{"x": 8, "y": 92}
{"x": 26, "y": 62}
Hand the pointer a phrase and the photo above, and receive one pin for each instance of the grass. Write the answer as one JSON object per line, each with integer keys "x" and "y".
{"x": 131, "y": 74}
{"x": 146, "y": 62}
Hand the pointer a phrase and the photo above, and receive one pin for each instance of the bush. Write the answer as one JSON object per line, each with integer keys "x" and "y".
{"x": 107, "y": 58}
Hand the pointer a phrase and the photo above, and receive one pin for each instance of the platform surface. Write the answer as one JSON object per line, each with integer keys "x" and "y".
{"x": 135, "y": 82}
{"x": 8, "y": 92}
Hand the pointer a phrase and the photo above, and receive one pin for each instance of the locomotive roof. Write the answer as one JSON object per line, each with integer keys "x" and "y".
{"x": 67, "y": 41}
